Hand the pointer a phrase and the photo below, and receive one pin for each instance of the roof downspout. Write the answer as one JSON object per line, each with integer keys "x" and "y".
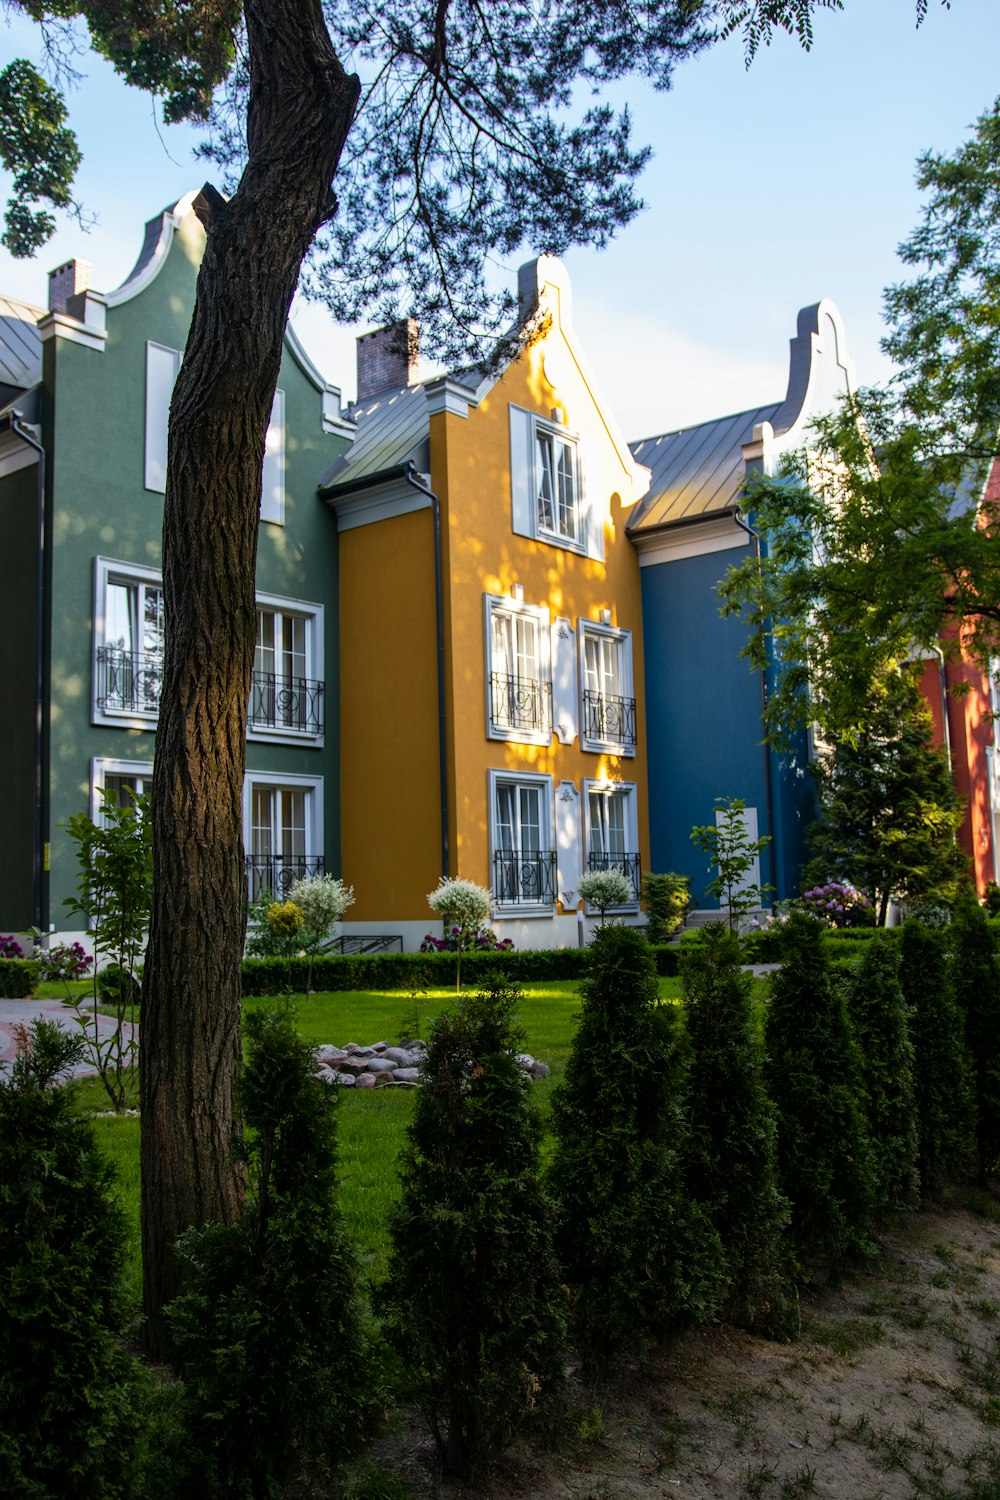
{"x": 18, "y": 426}
{"x": 413, "y": 478}
{"x": 768, "y": 791}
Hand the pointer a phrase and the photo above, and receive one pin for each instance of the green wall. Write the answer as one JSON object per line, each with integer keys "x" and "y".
{"x": 19, "y": 513}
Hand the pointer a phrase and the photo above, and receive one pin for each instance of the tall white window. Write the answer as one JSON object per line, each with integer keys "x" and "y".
{"x": 612, "y": 831}
{"x": 122, "y": 779}
{"x": 287, "y": 691}
{"x": 129, "y": 635}
{"x": 523, "y": 840}
{"x": 608, "y": 702}
{"x": 557, "y": 490}
{"x": 282, "y": 822}
{"x": 518, "y": 673}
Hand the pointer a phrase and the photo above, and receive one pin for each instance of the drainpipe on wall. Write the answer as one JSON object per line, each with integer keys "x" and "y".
{"x": 18, "y": 426}
{"x": 768, "y": 792}
{"x": 943, "y": 688}
{"x": 412, "y": 477}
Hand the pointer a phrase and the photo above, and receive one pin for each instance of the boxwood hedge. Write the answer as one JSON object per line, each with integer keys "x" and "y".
{"x": 18, "y": 977}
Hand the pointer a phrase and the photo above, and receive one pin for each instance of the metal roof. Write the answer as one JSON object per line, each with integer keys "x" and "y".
{"x": 392, "y": 427}
{"x": 20, "y": 345}
{"x": 695, "y": 471}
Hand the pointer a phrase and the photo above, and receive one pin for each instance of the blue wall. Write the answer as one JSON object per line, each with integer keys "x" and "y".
{"x": 703, "y": 707}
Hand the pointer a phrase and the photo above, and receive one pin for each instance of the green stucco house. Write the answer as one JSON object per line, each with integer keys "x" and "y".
{"x": 85, "y": 389}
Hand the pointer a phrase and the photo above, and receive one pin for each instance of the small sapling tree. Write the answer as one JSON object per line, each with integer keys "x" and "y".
{"x": 474, "y": 1302}
{"x": 322, "y": 900}
{"x": 878, "y": 1013}
{"x": 975, "y": 968}
{"x": 268, "y": 1339}
{"x": 640, "y": 1257}
{"x": 734, "y": 1169}
{"x": 604, "y": 890}
{"x": 463, "y": 905}
{"x": 944, "y": 1091}
{"x": 113, "y": 897}
{"x": 67, "y": 1388}
{"x": 733, "y": 855}
{"x": 824, "y": 1156}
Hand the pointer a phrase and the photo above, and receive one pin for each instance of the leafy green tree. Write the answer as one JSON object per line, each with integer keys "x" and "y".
{"x": 814, "y": 1072}
{"x": 113, "y": 898}
{"x": 944, "y": 1091}
{"x": 888, "y": 810}
{"x": 68, "y": 1390}
{"x": 732, "y": 1122}
{"x": 733, "y": 855}
{"x": 376, "y": 180}
{"x": 877, "y": 536}
{"x": 473, "y": 1297}
{"x": 878, "y": 1014}
{"x": 640, "y": 1256}
{"x": 975, "y": 969}
{"x": 268, "y": 1339}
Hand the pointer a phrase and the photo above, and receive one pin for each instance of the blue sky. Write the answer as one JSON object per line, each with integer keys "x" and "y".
{"x": 769, "y": 189}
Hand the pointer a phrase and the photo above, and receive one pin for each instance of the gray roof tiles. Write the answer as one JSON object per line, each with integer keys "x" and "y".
{"x": 695, "y": 471}
{"x": 392, "y": 427}
{"x": 20, "y": 345}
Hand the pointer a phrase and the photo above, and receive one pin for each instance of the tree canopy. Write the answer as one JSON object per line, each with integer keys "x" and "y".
{"x": 881, "y": 534}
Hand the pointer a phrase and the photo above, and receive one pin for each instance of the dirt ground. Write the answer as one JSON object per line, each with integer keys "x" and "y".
{"x": 891, "y": 1391}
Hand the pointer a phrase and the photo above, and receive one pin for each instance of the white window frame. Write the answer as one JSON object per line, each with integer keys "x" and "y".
{"x": 312, "y": 614}
{"x": 556, "y": 434}
{"x": 495, "y": 605}
{"x": 628, "y": 792}
{"x": 281, "y": 780}
{"x": 109, "y": 571}
{"x": 592, "y": 630}
{"x": 103, "y": 766}
{"x": 547, "y": 828}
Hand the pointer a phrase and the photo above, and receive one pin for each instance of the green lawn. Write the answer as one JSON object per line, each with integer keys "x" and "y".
{"x": 371, "y": 1122}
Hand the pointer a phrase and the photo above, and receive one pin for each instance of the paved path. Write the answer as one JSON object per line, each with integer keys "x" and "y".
{"x": 15, "y": 1013}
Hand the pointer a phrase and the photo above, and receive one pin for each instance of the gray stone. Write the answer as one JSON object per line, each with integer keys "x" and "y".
{"x": 407, "y": 1075}
{"x": 328, "y": 1053}
{"x": 380, "y": 1065}
{"x": 347, "y": 1079}
{"x": 355, "y": 1065}
{"x": 539, "y": 1070}
{"x": 365, "y": 1080}
{"x": 398, "y": 1055}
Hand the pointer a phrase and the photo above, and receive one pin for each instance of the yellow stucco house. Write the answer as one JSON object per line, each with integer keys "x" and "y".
{"x": 491, "y": 698}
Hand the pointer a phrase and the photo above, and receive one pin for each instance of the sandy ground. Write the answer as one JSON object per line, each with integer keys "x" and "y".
{"x": 891, "y": 1390}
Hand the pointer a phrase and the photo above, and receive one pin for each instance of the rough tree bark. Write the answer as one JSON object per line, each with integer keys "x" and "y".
{"x": 301, "y": 107}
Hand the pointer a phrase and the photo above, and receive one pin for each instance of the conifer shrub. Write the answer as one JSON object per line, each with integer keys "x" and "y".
{"x": 641, "y": 1258}
{"x": 267, "y": 1340}
{"x": 975, "y": 968}
{"x": 814, "y": 1073}
{"x": 473, "y": 1301}
{"x": 69, "y": 1393}
{"x": 878, "y": 1014}
{"x": 942, "y": 1072}
{"x": 666, "y": 899}
{"x": 733, "y": 1145}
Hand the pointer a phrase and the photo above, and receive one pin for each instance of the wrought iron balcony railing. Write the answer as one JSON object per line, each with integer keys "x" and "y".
{"x": 286, "y": 703}
{"x": 609, "y": 720}
{"x": 520, "y": 703}
{"x": 525, "y": 878}
{"x": 626, "y": 864}
{"x": 277, "y": 873}
{"x": 130, "y": 682}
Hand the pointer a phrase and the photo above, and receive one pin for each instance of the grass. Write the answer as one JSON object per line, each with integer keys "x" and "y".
{"x": 372, "y": 1123}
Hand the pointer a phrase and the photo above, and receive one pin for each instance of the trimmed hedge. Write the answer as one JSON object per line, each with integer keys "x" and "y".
{"x": 409, "y": 971}
{"x": 18, "y": 977}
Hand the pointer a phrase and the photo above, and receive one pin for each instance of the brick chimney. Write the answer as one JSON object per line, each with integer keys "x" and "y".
{"x": 66, "y": 282}
{"x": 388, "y": 358}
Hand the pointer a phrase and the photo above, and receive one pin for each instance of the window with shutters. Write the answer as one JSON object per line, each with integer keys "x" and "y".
{"x": 548, "y": 495}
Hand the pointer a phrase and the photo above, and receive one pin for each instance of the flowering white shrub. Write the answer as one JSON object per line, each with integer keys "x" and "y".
{"x": 460, "y": 903}
{"x": 322, "y": 901}
{"x": 606, "y": 888}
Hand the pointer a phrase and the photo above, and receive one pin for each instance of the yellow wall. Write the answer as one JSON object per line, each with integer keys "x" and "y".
{"x": 390, "y": 805}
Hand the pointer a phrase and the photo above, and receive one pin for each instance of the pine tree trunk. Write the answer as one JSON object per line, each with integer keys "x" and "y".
{"x": 301, "y": 107}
